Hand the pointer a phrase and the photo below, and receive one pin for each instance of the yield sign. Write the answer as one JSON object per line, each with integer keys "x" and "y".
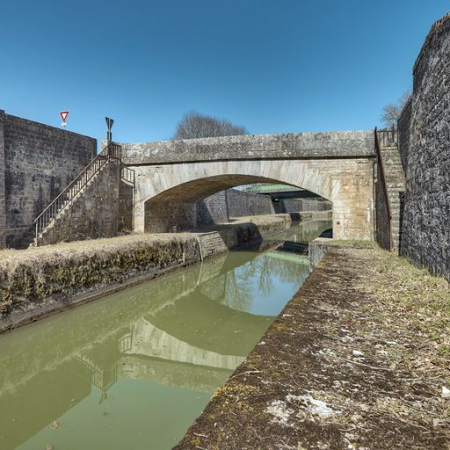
{"x": 64, "y": 115}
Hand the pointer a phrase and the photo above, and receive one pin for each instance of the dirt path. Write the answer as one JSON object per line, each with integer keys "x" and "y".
{"x": 357, "y": 360}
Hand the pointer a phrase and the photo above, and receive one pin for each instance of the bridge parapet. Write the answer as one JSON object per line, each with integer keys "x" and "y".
{"x": 327, "y": 145}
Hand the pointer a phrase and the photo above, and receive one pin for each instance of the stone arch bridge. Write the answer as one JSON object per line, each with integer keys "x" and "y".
{"x": 171, "y": 176}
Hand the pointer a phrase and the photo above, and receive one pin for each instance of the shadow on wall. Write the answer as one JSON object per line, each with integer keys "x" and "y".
{"x": 222, "y": 206}
{"x": 294, "y": 205}
{"x": 213, "y": 209}
{"x": 176, "y": 209}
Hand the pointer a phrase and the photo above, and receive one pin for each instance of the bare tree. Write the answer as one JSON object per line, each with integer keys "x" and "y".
{"x": 195, "y": 125}
{"x": 391, "y": 112}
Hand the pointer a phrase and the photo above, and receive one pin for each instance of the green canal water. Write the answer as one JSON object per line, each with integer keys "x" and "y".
{"x": 135, "y": 369}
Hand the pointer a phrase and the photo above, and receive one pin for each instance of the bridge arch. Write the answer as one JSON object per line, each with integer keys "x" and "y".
{"x": 164, "y": 194}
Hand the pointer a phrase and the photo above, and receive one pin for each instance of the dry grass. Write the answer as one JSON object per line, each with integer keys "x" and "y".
{"x": 415, "y": 305}
{"x": 367, "y": 339}
{"x": 29, "y": 277}
{"x": 88, "y": 246}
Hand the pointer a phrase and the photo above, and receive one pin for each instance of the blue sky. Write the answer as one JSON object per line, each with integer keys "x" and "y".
{"x": 273, "y": 66}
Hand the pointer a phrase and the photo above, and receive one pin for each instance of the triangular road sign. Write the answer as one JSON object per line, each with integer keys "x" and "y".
{"x": 109, "y": 123}
{"x": 64, "y": 115}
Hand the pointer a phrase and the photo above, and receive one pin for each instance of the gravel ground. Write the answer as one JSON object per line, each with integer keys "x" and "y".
{"x": 358, "y": 359}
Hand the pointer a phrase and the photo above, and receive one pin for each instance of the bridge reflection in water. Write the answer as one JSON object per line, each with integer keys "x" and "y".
{"x": 134, "y": 370}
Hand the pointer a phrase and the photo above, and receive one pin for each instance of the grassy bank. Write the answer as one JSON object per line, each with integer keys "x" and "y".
{"x": 43, "y": 280}
{"x": 29, "y": 278}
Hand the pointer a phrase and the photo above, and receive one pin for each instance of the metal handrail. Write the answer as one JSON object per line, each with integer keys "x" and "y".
{"x": 128, "y": 175}
{"x": 111, "y": 152}
{"x": 388, "y": 137}
{"x": 383, "y": 178}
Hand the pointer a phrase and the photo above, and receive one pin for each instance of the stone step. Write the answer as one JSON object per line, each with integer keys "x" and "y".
{"x": 395, "y": 182}
{"x": 397, "y": 185}
{"x": 67, "y": 206}
{"x": 391, "y": 163}
{"x": 392, "y": 169}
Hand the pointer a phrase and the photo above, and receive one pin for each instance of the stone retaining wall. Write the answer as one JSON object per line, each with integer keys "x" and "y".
{"x": 425, "y": 150}
{"x": 44, "y": 279}
{"x": 220, "y": 207}
{"x": 243, "y": 204}
{"x": 93, "y": 214}
{"x": 36, "y": 162}
{"x": 318, "y": 248}
{"x": 241, "y": 233}
{"x": 213, "y": 209}
{"x": 293, "y": 205}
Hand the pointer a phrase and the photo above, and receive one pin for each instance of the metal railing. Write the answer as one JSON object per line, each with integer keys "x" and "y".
{"x": 383, "y": 134}
{"x": 65, "y": 198}
{"x": 128, "y": 175}
{"x": 388, "y": 137}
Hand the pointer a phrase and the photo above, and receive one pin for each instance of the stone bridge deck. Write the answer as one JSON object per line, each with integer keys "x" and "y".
{"x": 336, "y": 144}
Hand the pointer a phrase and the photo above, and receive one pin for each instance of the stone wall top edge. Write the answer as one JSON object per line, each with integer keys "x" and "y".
{"x": 436, "y": 29}
{"x": 331, "y": 135}
{"x": 10, "y": 117}
{"x": 405, "y": 108}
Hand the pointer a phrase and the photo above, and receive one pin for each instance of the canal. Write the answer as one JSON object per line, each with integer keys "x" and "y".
{"x": 135, "y": 369}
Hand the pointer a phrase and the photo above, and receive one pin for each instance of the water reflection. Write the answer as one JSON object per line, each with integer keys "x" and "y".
{"x": 306, "y": 231}
{"x": 135, "y": 369}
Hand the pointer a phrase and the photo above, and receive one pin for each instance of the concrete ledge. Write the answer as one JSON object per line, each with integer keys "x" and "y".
{"x": 318, "y": 248}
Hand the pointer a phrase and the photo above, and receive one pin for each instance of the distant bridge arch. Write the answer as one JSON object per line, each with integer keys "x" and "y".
{"x": 172, "y": 176}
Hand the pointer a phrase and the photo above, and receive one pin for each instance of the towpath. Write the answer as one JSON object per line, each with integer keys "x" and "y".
{"x": 359, "y": 359}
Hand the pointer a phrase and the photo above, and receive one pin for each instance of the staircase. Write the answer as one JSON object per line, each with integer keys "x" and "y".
{"x": 49, "y": 217}
{"x": 393, "y": 178}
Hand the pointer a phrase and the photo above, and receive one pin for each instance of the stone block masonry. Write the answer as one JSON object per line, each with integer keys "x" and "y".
{"x": 220, "y": 207}
{"x": 339, "y": 144}
{"x": 294, "y": 205}
{"x": 36, "y": 162}
{"x": 93, "y": 214}
{"x": 382, "y": 213}
{"x": 2, "y": 182}
{"x": 347, "y": 183}
{"x": 425, "y": 150}
{"x": 213, "y": 209}
{"x": 242, "y": 204}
